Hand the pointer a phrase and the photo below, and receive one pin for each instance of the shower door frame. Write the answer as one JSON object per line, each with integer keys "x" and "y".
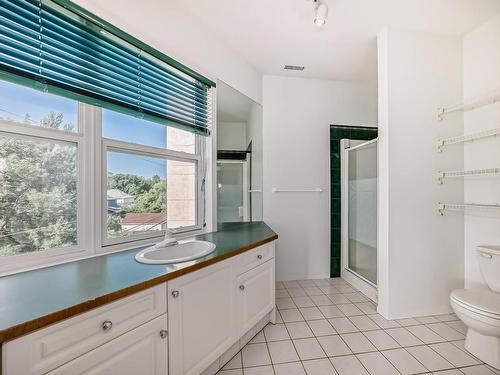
{"x": 359, "y": 282}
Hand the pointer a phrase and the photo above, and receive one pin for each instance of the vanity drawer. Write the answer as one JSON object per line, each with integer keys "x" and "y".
{"x": 48, "y": 348}
{"x": 255, "y": 257}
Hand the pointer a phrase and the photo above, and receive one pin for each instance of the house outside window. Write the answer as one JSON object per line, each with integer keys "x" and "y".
{"x": 118, "y": 199}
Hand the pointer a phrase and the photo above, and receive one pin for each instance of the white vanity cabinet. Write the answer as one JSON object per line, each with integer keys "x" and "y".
{"x": 211, "y": 309}
{"x": 92, "y": 339}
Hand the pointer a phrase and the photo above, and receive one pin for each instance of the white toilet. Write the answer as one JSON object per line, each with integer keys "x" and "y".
{"x": 479, "y": 309}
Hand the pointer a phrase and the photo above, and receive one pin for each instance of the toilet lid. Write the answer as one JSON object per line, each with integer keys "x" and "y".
{"x": 478, "y": 299}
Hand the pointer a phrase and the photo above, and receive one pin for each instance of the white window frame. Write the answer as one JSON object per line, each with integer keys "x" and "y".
{"x": 107, "y": 245}
{"x": 91, "y": 187}
{"x": 15, "y": 263}
{"x": 109, "y": 145}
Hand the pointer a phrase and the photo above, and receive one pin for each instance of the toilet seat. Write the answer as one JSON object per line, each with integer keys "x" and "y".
{"x": 480, "y": 301}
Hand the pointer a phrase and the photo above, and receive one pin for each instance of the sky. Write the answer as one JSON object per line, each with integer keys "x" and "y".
{"x": 17, "y": 101}
{"x": 124, "y": 128}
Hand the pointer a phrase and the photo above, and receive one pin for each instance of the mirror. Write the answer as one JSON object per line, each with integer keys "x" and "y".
{"x": 239, "y": 156}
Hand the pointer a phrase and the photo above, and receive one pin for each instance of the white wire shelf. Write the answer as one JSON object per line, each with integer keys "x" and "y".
{"x": 280, "y": 190}
{"x": 470, "y": 104}
{"x": 442, "y": 143}
{"x": 441, "y": 175}
{"x": 443, "y": 207}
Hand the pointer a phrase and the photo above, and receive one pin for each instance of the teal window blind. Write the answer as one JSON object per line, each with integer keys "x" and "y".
{"x": 59, "y": 47}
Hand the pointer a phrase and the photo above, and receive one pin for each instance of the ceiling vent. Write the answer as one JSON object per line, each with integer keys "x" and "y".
{"x": 294, "y": 67}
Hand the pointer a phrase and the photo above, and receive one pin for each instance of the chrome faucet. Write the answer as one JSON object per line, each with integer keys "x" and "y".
{"x": 169, "y": 240}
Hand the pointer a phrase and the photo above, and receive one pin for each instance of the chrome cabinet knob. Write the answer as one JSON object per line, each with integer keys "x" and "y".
{"x": 163, "y": 333}
{"x": 242, "y": 287}
{"x": 106, "y": 326}
{"x": 259, "y": 256}
{"x": 175, "y": 293}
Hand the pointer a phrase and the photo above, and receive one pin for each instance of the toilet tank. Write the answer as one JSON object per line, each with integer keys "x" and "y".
{"x": 489, "y": 263}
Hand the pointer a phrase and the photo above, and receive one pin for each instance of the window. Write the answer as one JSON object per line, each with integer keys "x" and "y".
{"x": 38, "y": 194}
{"x": 125, "y": 128}
{"x": 151, "y": 179}
{"x": 97, "y": 137}
{"x": 20, "y": 105}
{"x": 39, "y": 174}
{"x": 136, "y": 194}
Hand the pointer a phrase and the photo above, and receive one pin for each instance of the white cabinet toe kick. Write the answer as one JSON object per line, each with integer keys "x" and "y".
{"x": 212, "y": 312}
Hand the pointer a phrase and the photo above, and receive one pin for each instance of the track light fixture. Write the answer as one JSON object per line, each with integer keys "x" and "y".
{"x": 321, "y": 13}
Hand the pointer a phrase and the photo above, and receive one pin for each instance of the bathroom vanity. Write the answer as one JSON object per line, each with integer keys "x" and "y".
{"x": 141, "y": 319}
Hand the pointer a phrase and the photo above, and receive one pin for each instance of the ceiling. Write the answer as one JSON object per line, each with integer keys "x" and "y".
{"x": 271, "y": 33}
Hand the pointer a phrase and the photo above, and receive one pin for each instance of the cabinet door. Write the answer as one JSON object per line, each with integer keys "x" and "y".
{"x": 140, "y": 351}
{"x": 255, "y": 295}
{"x": 201, "y": 317}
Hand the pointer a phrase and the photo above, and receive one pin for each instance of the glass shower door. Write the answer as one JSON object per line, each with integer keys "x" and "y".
{"x": 232, "y": 191}
{"x": 362, "y": 210}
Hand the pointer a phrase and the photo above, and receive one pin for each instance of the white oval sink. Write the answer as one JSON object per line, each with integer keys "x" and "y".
{"x": 181, "y": 252}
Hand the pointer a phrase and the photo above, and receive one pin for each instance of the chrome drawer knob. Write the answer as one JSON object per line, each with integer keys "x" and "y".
{"x": 259, "y": 256}
{"x": 175, "y": 293}
{"x": 163, "y": 333}
{"x": 106, "y": 326}
{"x": 242, "y": 287}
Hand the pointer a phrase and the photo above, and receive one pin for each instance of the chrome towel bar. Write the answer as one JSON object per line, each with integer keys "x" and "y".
{"x": 279, "y": 190}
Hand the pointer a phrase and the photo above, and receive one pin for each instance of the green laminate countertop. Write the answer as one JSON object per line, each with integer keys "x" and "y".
{"x": 34, "y": 299}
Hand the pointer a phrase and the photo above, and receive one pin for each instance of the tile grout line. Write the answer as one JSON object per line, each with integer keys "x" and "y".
{"x": 294, "y": 347}
{"x": 317, "y": 305}
{"x": 267, "y": 345}
{"x": 382, "y": 354}
{"x": 425, "y": 367}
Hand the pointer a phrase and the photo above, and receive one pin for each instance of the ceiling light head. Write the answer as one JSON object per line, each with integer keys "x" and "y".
{"x": 321, "y": 10}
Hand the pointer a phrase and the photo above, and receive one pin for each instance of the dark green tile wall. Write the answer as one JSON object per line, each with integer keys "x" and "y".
{"x": 338, "y": 132}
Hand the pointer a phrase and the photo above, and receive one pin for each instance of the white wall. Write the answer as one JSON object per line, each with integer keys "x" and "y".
{"x": 163, "y": 26}
{"x": 297, "y": 114}
{"x": 232, "y": 136}
{"x": 420, "y": 253}
{"x": 481, "y": 54}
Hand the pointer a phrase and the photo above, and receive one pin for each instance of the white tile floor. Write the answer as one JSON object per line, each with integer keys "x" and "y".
{"x": 326, "y": 327}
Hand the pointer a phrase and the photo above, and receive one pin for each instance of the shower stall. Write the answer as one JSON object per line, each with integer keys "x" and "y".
{"x": 359, "y": 214}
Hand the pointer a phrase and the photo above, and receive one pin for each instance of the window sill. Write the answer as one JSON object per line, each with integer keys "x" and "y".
{"x": 76, "y": 255}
